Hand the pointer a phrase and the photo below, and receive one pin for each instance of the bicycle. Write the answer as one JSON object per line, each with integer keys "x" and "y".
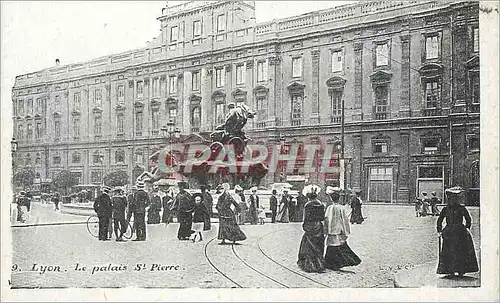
{"x": 93, "y": 227}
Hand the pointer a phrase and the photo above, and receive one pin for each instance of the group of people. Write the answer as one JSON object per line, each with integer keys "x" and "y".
{"x": 326, "y": 229}
{"x": 289, "y": 209}
{"x": 422, "y": 205}
{"x": 250, "y": 209}
{"x": 23, "y": 202}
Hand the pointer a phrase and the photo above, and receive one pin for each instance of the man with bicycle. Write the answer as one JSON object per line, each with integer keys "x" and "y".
{"x": 138, "y": 207}
{"x": 103, "y": 209}
{"x": 119, "y": 203}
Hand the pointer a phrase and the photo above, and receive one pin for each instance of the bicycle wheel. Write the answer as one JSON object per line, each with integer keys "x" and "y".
{"x": 130, "y": 231}
{"x": 93, "y": 226}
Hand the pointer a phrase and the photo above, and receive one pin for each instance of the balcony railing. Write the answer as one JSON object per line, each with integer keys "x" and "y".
{"x": 336, "y": 119}
{"x": 296, "y": 122}
{"x": 381, "y": 112}
{"x": 430, "y": 112}
{"x": 260, "y": 125}
{"x": 195, "y": 129}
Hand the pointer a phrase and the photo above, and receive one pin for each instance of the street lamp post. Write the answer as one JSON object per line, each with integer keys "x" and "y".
{"x": 101, "y": 158}
{"x": 282, "y": 173}
{"x": 14, "y": 146}
{"x": 171, "y": 130}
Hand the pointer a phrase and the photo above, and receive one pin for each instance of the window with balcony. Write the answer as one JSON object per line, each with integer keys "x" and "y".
{"x": 120, "y": 124}
{"x": 155, "y": 119}
{"x": 430, "y": 145}
{"x": 381, "y": 107}
{"x": 97, "y": 97}
{"x": 337, "y": 61}
{"x": 261, "y": 103}
{"x": 297, "y": 100}
{"x": 97, "y": 157}
{"x": 382, "y": 54}
{"x": 172, "y": 84}
{"x": 140, "y": 89}
{"x": 97, "y": 125}
{"x": 219, "y": 113}
{"x": 121, "y": 94}
{"x": 172, "y": 113}
{"x": 29, "y": 133}
{"x": 39, "y": 106}
{"x": 30, "y": 107}
{"x": 219, "y": 77}
{"x": 221, "y": 23}
{"x": 138, "y": 123}
{"x": 195, "y": 81}
{"x": 196, "y": 29}
{"x": 297, "y": 67}
{"x": 75, "y": 157}
{"x": 432, "y": 94}
{"x": 380, "y": 146}
{"x": 76, "y": 101}
{"x": 336, "y": 103}
{"x": 240, "y": 74}
{"x": 156, "y": 87}
{"x": 196, "y": 117}
{"x": 120, "y": 156}
{"x": 174, "y": 34}
{"x": 76, "y": 127}
{"x": 432, "y": 47}
{"x": 261, "y": 71}
{"x": 38, "y": 130}
{"x": 475, "y": 39}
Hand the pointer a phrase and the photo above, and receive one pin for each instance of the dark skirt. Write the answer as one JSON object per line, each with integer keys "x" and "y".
{"x": 340, "y": 256}
{"x": 457, "y": 253}
{"x": 253, "y": 215}
{"x": 154, "y": 217}
{"x": 229, "y": 229}
{"x": 311, "y": 248}
{"x": 356, "y": 216}
{"x": 186, "y": 222}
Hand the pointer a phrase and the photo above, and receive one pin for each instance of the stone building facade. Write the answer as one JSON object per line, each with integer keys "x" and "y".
{"x": 406, "y": 72}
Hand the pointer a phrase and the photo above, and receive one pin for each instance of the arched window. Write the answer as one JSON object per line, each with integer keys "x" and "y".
{"x": 474, "y": 175}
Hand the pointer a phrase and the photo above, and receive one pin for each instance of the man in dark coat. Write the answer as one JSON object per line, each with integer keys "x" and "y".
{"x": 273, "y": 205}
{"x": 185, "y": 209}
{"x": 254, "y": 206}
{"x": 119, "y": 203}
{"x": 166, "y": 202}
{"x": 434, "y": 202}
{"x": 140, "y": 203}
{"x": 103, "y": 209}
{"x": 207, "y": 200}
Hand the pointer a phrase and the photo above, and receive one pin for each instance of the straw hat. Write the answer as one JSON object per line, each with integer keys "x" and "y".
{"x": 237, "y": 187}
{"x": 311, "y": 189}
{"x": 330, "y": 190}
{"x": 457, "y": 190}
{"x": 225, "y": 186}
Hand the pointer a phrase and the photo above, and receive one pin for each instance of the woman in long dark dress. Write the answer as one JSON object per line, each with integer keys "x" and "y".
{"x": 457, "y": 254}
{"x": 312, "y": 244}
{"x": 337, "y": 230}
{"x": 154, "y": 209}
{"x": 228, "y": 227}
{"x": 201, "y": 217}
{"x": 356, "y": 215}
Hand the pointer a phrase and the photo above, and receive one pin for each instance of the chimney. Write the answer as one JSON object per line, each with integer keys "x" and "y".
{"x": 57, "y": 62}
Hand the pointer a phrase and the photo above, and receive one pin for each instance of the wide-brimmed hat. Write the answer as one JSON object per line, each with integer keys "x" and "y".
{"x": 253, "y": 189}
{"x": 197, "y": 195}
{"x": 225, "y": 186}
{"x": 310, "y": 189}
{"x": 330, "y": 190}
{"x": 237, "y": 187}
{"x": 433, "y": 193}
{"x": 456, "y": 190}
{"x": 106, "y": 189}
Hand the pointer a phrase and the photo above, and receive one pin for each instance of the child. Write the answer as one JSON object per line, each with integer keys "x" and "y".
{"x": 262, "y": 215}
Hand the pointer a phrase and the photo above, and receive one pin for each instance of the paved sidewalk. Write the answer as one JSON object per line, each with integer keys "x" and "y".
{"x": 44, "y": 214}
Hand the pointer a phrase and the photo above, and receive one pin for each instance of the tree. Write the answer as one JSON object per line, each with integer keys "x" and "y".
{"x": 116, "y": 178}
{"x": 65, "y": 180}
{"x": 24, "y": 178}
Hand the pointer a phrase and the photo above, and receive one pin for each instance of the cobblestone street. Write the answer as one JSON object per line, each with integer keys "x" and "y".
{"x": 390, "y": 239}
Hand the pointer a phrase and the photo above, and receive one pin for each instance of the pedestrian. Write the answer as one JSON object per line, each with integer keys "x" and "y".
{"x": 201, "y": 217}
{"x": 253, "y": 210}
{"x": 273, "y": 205}
{"x": 239, "y": 197}
{"x": 333, "y": 195}
{"x": 166, "y": 201}
{"x": 262, "y": 215}
{"x": 337, "y": 253}
{"x": 103, "y": 209}
{"x": 155, "y": 207}
{"x": 22, "y": 208}
{"x": 301, "y": 202}
{"x": 457, "y": 255}
{"x": 140, "y": 203}
{"x": 29, "y": 198}
{"x": 311, "y": 248}
{"x": 208, "y": 200}
{"x": 119, "y": 203}
{"x": 185, "y": 209}
{"x": 434, "y": 202}
{"x": 56, "y": 200}
{"x": 130, "y": 205}
{"x": 283, "y": 213}
{"x": 418, "y": 206}
{"x": 228, "y": 227}
{"x": 356, "y": 202}
{"x": 424, "y": 210}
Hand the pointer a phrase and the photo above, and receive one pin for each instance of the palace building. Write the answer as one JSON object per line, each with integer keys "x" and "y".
{"x": 406, "y": 74}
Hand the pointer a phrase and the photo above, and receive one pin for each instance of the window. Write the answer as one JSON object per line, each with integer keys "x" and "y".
{"x": 39, "y": 106}
{"x": 14, "y": 108}
{"x": 297, "y": 67}
{"x": 172, "y": 113}
{"x": 97, "y": 158}
{"x": 221, "y": 23}
{"x": 97, "y": 97}
{"x": 95, "y": 176}
{"x": 430, "y": 145}
{"x": 296, "y": 109}
{"x": 432, "y": 94}
{"x": 38, "y": 130}
{"x": 195, "y": 80}
{"x": 155, "y": 117}
{"x": 240, "y": 74}
{"x": 56, "y": 159}
{"x": 57, "y": 103}
{"x": 261, "y": 71}
{"x": 120, "y": 124}
{"x": 30, "y": 106}
{"x": 29, "y": 133}
{"x": 156, "y": 87}
{"x": 97, "y": 125}
{"x": 381, "y": 102}
{"x": 475, "y": 175}
{"x": 20, "y": 108}
{"x": 38, "y": 159}
{"x": 172, "y": 84}
{"x": 139, "y": 158}
{"x": 432, "y": 47}
{"x": 474, "y": 142}
{"x": 140, "y": 89}
{"x": 337, "y": 61}
{"x": 219, "y": 77}
{"x": 138, "y": 123}
{"x": 196, "y": 28}
{"x": 219, "y": 113}
{"x": 380, "y": 146}
{"x": 261, "y": 103}
{"x": 336, "y": 101}
{"x": 76, "y": 101}
{"x": 381, "y": 173}
{"x": 121, "y": 93}
{"x": 196, "y": 116}
{"x": 382, "y": 54}
{"x": 76, "y": 127}
{"x": 57, "y": 128}
{"x": 20, "y": 132}
{"x": 430, "y": 172}
{"x": 120, "y": 156}
{"x": 75, "y": 157}
{"x": 475, "y": 87}
{"x": 174, "y": 33}
{"x": 28, "y": 160}
{"x": 475, "y": 42}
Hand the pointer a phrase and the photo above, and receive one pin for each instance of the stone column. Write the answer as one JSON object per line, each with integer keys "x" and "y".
{"x": 315, "y": 54}
{"x": 206, "y": 108}
{"x": 357, "y": 167}
{"x": 403, "y": 193}
{"x": 358, "y": 82}
{"x": 404, "y": 106}
{"x": 186, "y": 112}
{"x": 275, "y": 88}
